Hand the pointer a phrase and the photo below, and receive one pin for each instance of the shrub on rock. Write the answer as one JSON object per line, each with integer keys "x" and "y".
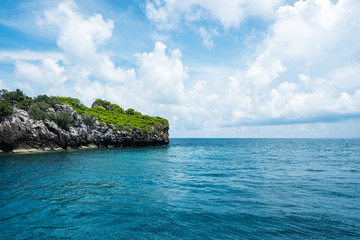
{"x": 63, "y": 120}
{"x": 37, "y": 110}
{"x": 6, "y": 108}
{"x": 89, "y": 119}
{"x": 25, "y": 104}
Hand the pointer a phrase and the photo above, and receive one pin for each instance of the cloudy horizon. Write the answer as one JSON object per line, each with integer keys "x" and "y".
{"x": 234, "y": 68}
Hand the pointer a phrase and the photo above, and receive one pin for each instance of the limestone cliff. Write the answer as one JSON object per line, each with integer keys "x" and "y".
{"x": 21, "y": 133}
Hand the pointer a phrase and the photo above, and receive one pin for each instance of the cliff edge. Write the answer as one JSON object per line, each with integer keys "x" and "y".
{"x": 20, "y": 131}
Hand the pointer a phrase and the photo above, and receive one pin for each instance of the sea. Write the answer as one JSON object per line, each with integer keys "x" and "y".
{"x": 190, "y": 189}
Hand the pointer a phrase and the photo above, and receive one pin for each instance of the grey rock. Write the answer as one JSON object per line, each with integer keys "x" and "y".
{"x": 20, "y": 133}
{"x": 63, "y": 108}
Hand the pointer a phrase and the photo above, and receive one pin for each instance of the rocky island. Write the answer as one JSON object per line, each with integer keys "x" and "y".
{"x": 46, "y": 123}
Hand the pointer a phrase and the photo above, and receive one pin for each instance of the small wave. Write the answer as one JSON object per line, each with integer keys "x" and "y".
{"x": 315, "y": 170}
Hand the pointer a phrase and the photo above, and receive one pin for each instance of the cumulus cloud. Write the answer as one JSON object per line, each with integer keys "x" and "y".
{"x": 162, "y": 75}
{"x": 316, "y": 28}
{"x": 301, "y": 74}
{"x": 82, "y": 70}
{"x": 79, "y": 68}
{"x": 49, "y": 73}
{"x": 299, "y": 40}
{"x": 79, "y": 38}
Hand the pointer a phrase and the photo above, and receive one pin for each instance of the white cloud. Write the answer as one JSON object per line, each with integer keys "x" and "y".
{"x": 80, "y": 69}
{"x": 300, "y": 75}
{"x": 311, "y": 29}
{"x": 80, "y": 38}
{"x": 162, "y": 76}
{"x": 207, "y": 36}
{"x": 48, "y": 73}
{"x": 302, "y": 37}
{"x": 83, "y": 71}
{"x": 167, "y": 14}
{"x": 347, "y": 103}
{"x": 264, "y": 69}
{"x": 304, "y": 78}
{"x": 346, "y": 78}
{"x": 161, "y": 15}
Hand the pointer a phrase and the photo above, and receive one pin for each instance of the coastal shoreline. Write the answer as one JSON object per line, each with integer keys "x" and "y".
{"x": 70, "y": 149}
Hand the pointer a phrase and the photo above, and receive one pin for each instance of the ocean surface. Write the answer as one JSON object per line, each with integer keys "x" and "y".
{"x": 191, "y": 189}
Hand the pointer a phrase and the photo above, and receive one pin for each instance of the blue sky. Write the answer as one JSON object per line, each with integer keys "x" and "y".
{"x": 231, "y": 68}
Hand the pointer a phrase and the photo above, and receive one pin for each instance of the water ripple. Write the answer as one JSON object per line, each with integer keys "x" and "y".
{"x": 192, "y": 189}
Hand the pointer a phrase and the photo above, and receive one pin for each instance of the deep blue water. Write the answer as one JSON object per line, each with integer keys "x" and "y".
{"x": 191, "y": 189}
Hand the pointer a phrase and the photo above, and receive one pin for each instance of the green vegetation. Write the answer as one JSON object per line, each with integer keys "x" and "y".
{"x": 104, "y": 111}
{"x": 25, "y": 104}
{"x": 63, "y": 120}
{"x": 108, "y": 113}
{"x": 130, "y": 111}
{"x": 88, "y": 119}
{"x": 37, "y": 111}
{"x": 107, "y": 105}
{"x": 14, "y": 96}
{"x": 99, "y": 102}
{"x": 6, "y": 108}
{"x": 50, "y": 101}
{"x": 9, "y": 99}
{"x": 36, "y": 106}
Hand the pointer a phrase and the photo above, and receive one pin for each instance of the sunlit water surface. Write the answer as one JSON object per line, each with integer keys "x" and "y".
{"x": 191, "y": 189}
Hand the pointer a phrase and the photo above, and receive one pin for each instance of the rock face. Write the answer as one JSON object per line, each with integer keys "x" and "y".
{"x": 20, "y": 133}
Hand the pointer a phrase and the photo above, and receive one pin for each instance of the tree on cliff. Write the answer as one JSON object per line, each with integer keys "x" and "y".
{"x": 6, "y": 108}
{"x": 13, "y": 96}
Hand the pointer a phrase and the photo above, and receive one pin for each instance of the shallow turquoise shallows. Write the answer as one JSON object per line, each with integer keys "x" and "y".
{"x": 191, "y": 189}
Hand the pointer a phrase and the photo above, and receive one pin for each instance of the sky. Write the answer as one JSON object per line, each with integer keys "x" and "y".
{"x": 230, "y": 68}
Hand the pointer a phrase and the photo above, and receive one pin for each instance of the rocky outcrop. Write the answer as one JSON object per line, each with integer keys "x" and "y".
{"x": 21, "y": 133}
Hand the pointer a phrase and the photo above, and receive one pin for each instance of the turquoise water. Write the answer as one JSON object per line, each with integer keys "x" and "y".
{"x": 191, "y": 189}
